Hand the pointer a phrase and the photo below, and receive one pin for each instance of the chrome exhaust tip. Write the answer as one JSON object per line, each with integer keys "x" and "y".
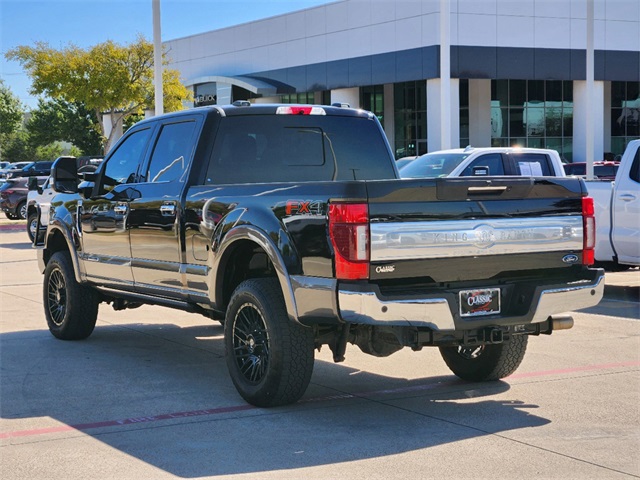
{"x": 561, "y": 322}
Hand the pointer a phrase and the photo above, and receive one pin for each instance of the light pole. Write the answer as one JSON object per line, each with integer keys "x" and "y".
{"x": 157, "y": 58}
{"x": 590, "y": 151}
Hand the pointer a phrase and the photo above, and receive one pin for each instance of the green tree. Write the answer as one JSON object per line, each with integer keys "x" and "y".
{"x": 50, "y": 151}
{"x": 11, "y": 111}
{"x": 60, "y": 120}
{"x": 17, "y": 147}
{"x": 11, "y": 116}
{"x": 109, "y": 79}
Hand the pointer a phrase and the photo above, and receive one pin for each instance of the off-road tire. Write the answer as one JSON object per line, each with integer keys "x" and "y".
{"x": 269, "y": 357}
{"x": 71, "y": 309}
{"x": 490, "y": 362}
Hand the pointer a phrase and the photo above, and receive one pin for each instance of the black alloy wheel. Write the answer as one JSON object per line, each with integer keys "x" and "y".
{"x": 71, "y": 309}
{"x": 250, "y": 343}
{"x": 269, "y": 356}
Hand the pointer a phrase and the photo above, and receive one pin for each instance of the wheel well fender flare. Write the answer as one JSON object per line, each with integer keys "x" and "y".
{"x": 260, "y": 238}
{"x": 60, "y": 236}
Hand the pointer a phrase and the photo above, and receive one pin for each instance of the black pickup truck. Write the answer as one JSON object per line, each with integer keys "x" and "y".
{"x": 289, "y": 224}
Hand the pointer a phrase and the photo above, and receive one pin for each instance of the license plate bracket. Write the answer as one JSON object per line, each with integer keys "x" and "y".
{"x": 477, "y": 302}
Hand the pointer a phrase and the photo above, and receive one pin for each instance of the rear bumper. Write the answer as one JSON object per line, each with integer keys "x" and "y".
{"x": 363, "y": 304}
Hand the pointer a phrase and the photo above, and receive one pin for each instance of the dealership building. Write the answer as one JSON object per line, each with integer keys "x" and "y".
{"x": 441, "y": 73}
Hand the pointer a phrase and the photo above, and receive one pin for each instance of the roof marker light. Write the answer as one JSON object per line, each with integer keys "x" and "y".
{"x": 294, "y": 110}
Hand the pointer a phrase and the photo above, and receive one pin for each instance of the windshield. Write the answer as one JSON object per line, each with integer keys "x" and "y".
{"x": 433, "y": 165}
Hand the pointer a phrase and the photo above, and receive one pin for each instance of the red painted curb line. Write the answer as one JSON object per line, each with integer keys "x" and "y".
{"x": 240, "y": 408}
{"x": 13, "y": 228}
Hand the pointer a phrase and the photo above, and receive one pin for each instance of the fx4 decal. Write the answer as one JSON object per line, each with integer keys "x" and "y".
{"x": 304, "y": 207}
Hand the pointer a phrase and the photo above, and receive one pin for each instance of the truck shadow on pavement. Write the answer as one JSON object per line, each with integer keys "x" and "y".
{"x": 618, "y": 301}
{"x": 161, "y": 394}
{"x": 18, "y": 246}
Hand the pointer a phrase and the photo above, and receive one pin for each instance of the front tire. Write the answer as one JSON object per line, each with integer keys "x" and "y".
{"x": 32, "y": 226}
{"x": 21, "y": 211}
{"x": 486, "y": 362}
{"x": 270, "y": 358}
{"x": 71, "y": 309}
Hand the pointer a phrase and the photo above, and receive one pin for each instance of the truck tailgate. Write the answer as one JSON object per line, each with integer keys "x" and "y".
{"x": 452, "y": 230}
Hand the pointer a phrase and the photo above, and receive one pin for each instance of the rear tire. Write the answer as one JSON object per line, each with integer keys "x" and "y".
{"x": 270, "y": 357}
{"x": 71, "y": 309}
{"x": 487, "y": 362}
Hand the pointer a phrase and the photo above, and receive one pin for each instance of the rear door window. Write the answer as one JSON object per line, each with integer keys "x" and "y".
{"x": 532, "y": 164}
{"x": 634, "y": 173}
{"x": 172, "y": 152}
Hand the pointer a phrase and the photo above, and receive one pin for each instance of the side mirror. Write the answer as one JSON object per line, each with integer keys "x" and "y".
{"x": 33, "y": 183}
{"x": 64, "y": 174}
{"x": 85, "y": 189}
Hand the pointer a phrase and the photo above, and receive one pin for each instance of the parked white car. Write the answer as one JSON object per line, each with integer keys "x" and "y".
{"x": 617, "y": 211}
{"x": 535, "y": 162}
{"x": 40, "y": 196}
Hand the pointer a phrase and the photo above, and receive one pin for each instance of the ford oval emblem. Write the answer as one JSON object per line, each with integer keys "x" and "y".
{"x": 570, "y": 258}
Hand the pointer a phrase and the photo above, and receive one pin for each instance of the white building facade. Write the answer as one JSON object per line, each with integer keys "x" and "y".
{"x": 515, "y": 70}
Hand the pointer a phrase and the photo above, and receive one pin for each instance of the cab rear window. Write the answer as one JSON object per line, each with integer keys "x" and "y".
{"x": 298, "y": 148}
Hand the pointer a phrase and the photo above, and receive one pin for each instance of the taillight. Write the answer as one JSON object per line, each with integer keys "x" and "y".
{"x": 349, "y": 232}
{"x": 589, "y": 231}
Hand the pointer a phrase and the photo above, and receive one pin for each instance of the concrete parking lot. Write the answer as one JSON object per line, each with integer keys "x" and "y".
{"x": 148, "y": 396}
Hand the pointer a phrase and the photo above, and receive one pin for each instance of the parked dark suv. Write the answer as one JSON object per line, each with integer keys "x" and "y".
{"x": 34, "y": 169}
{"x": 13, "y": 197}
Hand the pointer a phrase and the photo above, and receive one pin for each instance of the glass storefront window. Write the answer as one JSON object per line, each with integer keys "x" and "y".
{"x": 625, "y": 114}
{"x": 533, "y": 113}
{"x": 410, "y": 107}
{"x": 304, "y": 98}
{"x": 372, "y": 99}
{"x": 464, "y": 113}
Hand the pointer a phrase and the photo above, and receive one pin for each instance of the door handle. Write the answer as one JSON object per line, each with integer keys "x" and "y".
{"x": 627, "y": 197}
{"x": 120, "y": 209}
{"x": 167, "y": 210}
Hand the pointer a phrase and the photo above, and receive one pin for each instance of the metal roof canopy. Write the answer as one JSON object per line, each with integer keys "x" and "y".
{"x": 254, "y": 85}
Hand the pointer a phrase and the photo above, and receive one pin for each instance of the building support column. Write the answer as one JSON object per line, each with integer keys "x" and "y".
{"x": 346, "y": 95}
{"x": 107, "y": 120}
{"x": 224, "y": 93}
{"x": 435, "y": 116}
{"x": 587, "y": 132}
{"x": 389, "y": 115}
{"x": 480, "y": 113}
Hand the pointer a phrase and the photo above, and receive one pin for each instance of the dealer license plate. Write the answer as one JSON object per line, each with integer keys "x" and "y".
{"x": 479, "y": 302}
